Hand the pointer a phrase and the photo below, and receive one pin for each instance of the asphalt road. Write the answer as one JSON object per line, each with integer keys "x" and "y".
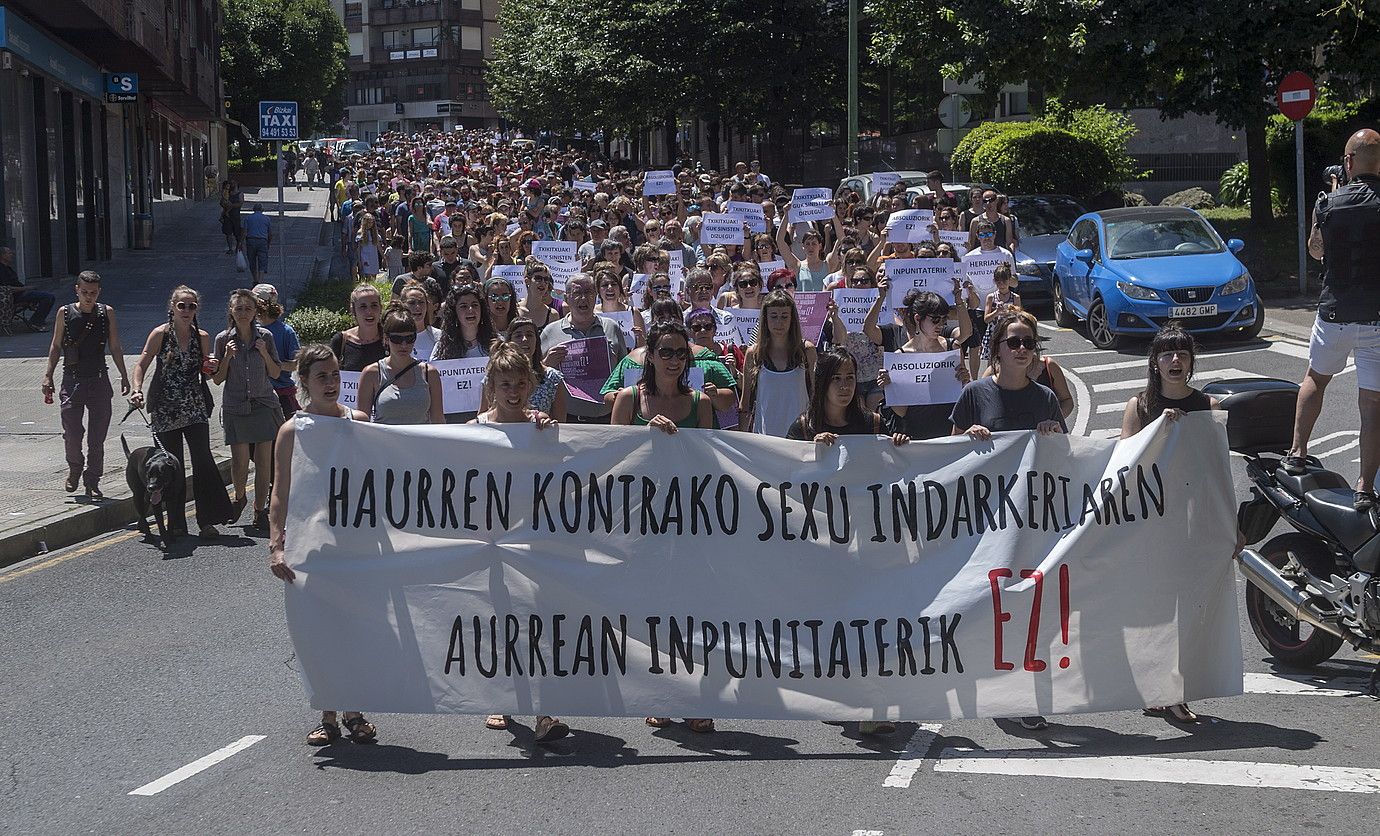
{"x": 119, "y": 666}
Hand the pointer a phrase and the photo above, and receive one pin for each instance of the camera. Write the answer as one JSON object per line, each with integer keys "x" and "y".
{"x": 1335, "y": 171}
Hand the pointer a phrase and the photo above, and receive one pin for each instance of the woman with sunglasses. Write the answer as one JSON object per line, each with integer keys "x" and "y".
{"x": 867, "y": 354}
{"x": 720, "y": 361}
{"x": 777, "y": 369}
{"x": 763, "y": 248}
{"x": 399, "y": 389}
{"x": 1009, "y": 401}
{"x": 854, "y": 260}
{"x": 658, "y": 290}
{"x": 716, "y": 372}
{"x": 608, "y": 279}
{"x": 500, "y": 303}
{"x": 745, "y": 289}
{"x": 720, "y": 267}
{"x": 929, "y": 317}
{"x": 782, "y": 279}
{"x": 539, "y": 306}
{"x": 417, "y": 301}
{"x": 180, "y": 408}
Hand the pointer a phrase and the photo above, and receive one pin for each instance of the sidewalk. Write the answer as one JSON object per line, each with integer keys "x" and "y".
{"x": 36, "y": 514}
{"x": 1292, "y": 317}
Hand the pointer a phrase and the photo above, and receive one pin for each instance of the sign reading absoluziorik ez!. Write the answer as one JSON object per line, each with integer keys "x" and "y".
{"x": 278, "y": 121}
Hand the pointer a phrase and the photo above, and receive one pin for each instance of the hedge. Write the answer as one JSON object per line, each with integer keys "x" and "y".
{"x": 1042, "y": 159}
{"x": 1325, "y": 133}
{"x": 961, "y": 160}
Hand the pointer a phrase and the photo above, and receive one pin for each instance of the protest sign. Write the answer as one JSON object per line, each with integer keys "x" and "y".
{"x": 745, "y": 323}
{"x": 814, "y": 312}
{"x": 512, "y": 227}
{"x": 979, "y": 266}
{"x": 551, "y": 251}
{"x": 811, "y": 205}
{"x": 658, "y": 182}
{"x": 749, "y": 213}
{"x": 461, "y": 383}
{"x": 508, "y": 569}
{"x": 956, "y": 239}
{"x": 349, "y": 389}
{"x": 920, "y": 379}
{"x": 638, "y": 287}
{"x": 726, "y": 329}
{"x": 721, "y": 228}
{"x": 586, "y": 368}
{"x": 586, "y": 186}
{"x": 854, "y": 305}
{"x": 676, "y": 268}
{"x": 513, "y": 274}
{"x": 561, "y": 271}
{"x": 766, "y": 268}
{"x": 932, "y": 274}
{"x": 625, "y": 324}
{"x": 882, "y": 181}
{"x": 910, "y": 226}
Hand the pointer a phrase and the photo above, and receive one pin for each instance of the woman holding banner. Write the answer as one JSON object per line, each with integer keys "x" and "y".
{"x": 609, "y": 279}
{"x": 399, "y": 389}
{"x": 1009, "y": 401}
{"x": 511, "y": 386}
{"x": 929, "y": 318}
{"x": 716, "y": 373}
{"x": 318, "y": 377}
{"x": 777, "y": 369}
{"x": 549, "y": 395}
{"x": 1045, "y": 371}
{"x": 836, "y": 407}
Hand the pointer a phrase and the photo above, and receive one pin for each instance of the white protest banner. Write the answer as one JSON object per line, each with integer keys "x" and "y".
{"x": 745, "y": 321}
{"x": 766, "y": 268}
{"x": 932, "y": 274}
{"x": 586, "y": 186}
{"x": 676, "y": 259}
{"x": 625, "y": 324}
{"x": 749, "y": 213}
{"x": 561, "y": 271}
{"x": 658, "y": 182}
{"x": 513, "y": 274}
{"x": 512, "y": 227}
{"x": 811, "y": 205}
{"x": 882, "y": 181}
{"x": 979, "y": 266}
{"x": 552, "y": 251}
{"x": 854, "y": 305}
{"x": 956, "y": 239}
{"x": 461, "y": 383}
{"x": 726, "y": 330}
{"x": 349, "y": 389}
{"x": 638, "y": 287}
{"x": 633, "y": 374}
{"x": 918, "y": 379}
{"x": 910, "y": 226}
{"x": 721, "y": 228}
{"x": 508, "y": 569}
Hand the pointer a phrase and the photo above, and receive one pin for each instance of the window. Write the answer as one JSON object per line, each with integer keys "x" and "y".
{"x": 471, "y": 37}
{"x": 394, "y": 38}
{"x": 470, "y": 5}
{"x": 426, "y": 36}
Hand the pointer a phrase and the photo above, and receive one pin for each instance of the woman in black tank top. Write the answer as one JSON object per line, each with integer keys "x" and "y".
{"x": 1167, "y": 394}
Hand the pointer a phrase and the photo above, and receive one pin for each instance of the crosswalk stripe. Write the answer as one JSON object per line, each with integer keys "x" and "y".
{"x": 1105, "y": 408}
{"x": 1139, "y": 382}
{"x": 1189, "y": 771}
{"x": 1107, "y": 367}
{"x": 1296, "y": 685}
{"x": 913, "y": 756}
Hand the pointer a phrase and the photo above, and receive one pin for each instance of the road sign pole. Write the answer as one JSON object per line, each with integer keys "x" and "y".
{"x": 852, "y": 161}
{"x": 282, "y": 250}
{"x": 1302, "y": 210}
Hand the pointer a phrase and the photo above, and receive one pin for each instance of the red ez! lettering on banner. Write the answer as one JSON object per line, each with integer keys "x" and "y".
{"x": 1032, "y": 640}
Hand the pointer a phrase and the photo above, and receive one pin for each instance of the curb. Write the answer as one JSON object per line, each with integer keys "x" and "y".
{"x": 1288, "y": 329}
{"x": 94, "y": 520}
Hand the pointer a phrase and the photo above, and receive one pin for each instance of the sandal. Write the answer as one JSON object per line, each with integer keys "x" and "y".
{"x": 702, "y": 725}
{"x": 324, "y": 734}
{"x": 549, "y": 728}
{"x": 94, "y": 492}
{"x": 71, "y": 484}
{"x": 1182, "y": 713}
{"x": 497, "y": 722}
{"x": 658, "y": 722}
{"x": 361, "y": 730}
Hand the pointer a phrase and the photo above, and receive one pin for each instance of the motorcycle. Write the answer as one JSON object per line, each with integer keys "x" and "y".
{"x": 1316, "y": 588}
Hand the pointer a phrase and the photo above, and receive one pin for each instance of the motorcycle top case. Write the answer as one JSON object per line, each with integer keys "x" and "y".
{"x": 1260, "y": 412}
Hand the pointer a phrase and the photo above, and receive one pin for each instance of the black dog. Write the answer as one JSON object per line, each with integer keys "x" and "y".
{"x": 153, "y": 475}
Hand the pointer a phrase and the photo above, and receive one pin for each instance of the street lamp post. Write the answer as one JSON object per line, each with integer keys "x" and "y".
{"x": 852, "y": 87}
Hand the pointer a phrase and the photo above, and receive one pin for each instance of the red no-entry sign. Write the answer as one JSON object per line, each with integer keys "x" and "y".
{"x": 1297, "y": 95}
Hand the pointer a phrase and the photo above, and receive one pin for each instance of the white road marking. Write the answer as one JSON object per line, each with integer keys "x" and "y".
{"x": 1161, "y": 770}
{"x": 1082, "y": 400}
{"x": 1289, "y": 349}
{"x": 199, "y": 765}
{"x": 1106, "y": 367}
{"x": 1105, "y": 408}
{"x": 1303, "y": 685}
{"x": 1352, "y": 444}
{"x": 1139, "y": 382}
{"x": 867, "y": 833}
{"x": 1330, "y": 436}
{"x": 913, "y": 756}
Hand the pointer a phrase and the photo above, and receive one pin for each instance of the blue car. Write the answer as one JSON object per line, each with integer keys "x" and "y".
{"x": 1127, "y": 272}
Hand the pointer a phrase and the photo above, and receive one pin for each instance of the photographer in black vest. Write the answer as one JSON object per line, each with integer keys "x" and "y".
{"x": 1346, "y": 227}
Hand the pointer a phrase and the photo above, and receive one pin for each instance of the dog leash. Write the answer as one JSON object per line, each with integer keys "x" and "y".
{"x": 140, "y": 409}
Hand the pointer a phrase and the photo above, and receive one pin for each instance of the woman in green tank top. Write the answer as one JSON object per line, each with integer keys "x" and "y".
{"x": 663, "y": 397}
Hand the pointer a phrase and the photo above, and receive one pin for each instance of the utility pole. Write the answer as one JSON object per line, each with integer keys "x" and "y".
{"x": 852, "y": 87}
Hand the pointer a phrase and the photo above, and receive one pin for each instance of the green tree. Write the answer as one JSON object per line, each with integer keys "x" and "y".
{"x": 290, "y": 50}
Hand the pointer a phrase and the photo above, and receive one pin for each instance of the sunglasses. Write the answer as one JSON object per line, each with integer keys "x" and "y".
{"x": 750, "y": 283}
{"x": 702, "y": 326}
{"x": 447, "y": 246}
{"x": 397, "y": 338}
{"x": 701, "y": 288}
{"x": 500, "y": 297}
{"x": 188, "y": 306}
{"x": 937, "y": 319}
{"x": 987, "y": 235}
{"x": 661, "y": 288}
{"x": 673, "y": 353}
{"x": 1028, "y": 343}
{"x": 785, "y": 286}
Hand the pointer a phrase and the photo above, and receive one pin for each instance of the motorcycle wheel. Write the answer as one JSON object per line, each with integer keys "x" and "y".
{"x": 1293, "y": 643}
